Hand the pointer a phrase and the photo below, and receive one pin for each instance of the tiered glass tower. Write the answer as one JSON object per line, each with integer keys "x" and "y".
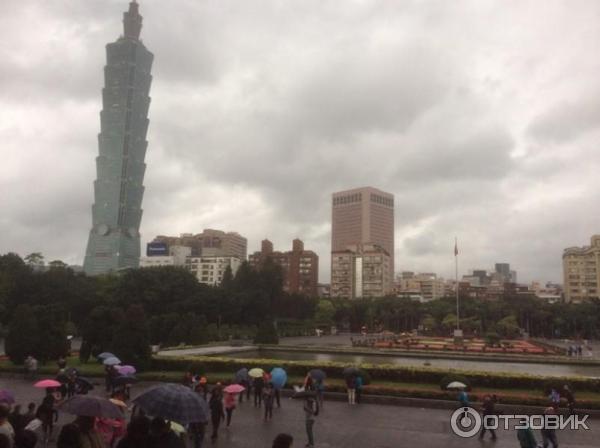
{"x": 114, "y": 241}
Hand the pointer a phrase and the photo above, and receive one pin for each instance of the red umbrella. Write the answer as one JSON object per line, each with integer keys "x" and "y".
{"x": 234, "y": 389}
{"x": 44, "y": 384}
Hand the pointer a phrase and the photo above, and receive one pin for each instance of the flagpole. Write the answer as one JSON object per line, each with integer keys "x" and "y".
{"x": 456, "y": 279}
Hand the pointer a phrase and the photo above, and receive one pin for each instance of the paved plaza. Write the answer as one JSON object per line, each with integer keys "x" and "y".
{"x": 342, "y": 426}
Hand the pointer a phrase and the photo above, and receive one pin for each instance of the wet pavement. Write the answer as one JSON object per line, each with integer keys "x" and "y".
{"x": 340, "y": 425}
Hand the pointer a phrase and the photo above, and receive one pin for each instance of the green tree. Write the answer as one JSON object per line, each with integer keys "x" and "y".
{"x": 99, "y": 327}
{"x": 57, "y": 264}
{"x": 131, "y": 341}
{"x": 198, "y": 333}
{"x": 227, "y": 282}
{"x": 23, "y": 336}
{"x": 508, "y": 327}
{"x": 52, "y": 336}
{"x": 266, "y": 334}
{"x": 35, "y": 259}
{"x": 325, "y": 312}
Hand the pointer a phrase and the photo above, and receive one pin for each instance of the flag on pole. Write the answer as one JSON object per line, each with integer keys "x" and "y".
{"x": 455, "y": 247}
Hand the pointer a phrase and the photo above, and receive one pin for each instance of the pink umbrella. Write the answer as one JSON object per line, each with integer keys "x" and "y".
{"x": 234, "y": 389}
{"x": 126, "y": 370}
{"x": 43, "y": 384}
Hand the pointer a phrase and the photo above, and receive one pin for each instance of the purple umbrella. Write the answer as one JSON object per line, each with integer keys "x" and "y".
{"x": 6, "y": 397}
{"x": 126, "y": 370}
{"x": 90, "y": 406}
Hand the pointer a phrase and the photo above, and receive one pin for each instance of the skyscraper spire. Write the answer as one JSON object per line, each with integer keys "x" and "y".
{"x": 114, "y": 240}
{"x": 132, "y": 22}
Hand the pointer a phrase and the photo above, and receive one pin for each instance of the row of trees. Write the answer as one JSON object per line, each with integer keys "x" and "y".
{"x": 508, "y": 317}
{"x": 125, "y": 313}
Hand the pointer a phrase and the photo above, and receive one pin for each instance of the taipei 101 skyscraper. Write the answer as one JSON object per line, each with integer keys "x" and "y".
{"x": 114, "y": 241}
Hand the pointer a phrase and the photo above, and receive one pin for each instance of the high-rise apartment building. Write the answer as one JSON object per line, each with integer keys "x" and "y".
{"x": 300, "y": 267}
{"x": 581, "y": 271}
{"x": 210, "y": 270}
{"x": 360, "y": 271}
{"x": 363, "y": 216}
{"x": 428, "y": 285}
{"x": 114, "y": 240}
{"x": 209, "y": 243}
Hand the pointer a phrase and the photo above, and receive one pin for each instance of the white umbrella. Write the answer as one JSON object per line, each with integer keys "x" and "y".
{"x": 456, "y": 385}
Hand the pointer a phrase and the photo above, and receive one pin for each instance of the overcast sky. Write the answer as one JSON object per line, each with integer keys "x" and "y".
{"x": 481, "y": 117}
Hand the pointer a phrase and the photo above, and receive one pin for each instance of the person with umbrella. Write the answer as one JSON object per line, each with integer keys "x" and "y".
{"x": 229, "y": 402}
{"x": 83, "y": 428}
{"x": 138, "y": 433}
{"x": 358, "y": 386}
{"x": 202, "y": 387}
{"x": 351, "y": 388}
{"x": 88, "y": 436}
{"x": 47, "y": 414}
{"x": 162, "y": 436}
{"x": 216, "y": 410}
{"x": 258, "y": 384}
{"x": 311, "y": 410}
{"x": 268, "y": 399}
{"x": 279, "y": 380}
{"x": 242, "y": 378}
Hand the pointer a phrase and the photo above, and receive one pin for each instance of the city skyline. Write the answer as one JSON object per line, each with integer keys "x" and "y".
{"x": 486, "y": 135}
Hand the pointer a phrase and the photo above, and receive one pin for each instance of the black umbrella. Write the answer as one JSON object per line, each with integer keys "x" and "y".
{"x": 62, "y": 378}
{"x": 89, "y": 406}
{"x": 72, "y": 371}
{"x": 242, "y": 375}
{"x": 174, "y": 402}
{"x": 85, "y": 383}
{"x": 351, "y": 371}
{"x": 317, "y": 374}
{"x": 124, "y": 379}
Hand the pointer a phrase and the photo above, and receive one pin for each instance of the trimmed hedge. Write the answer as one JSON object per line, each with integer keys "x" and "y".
{"x": 379, "y": 372}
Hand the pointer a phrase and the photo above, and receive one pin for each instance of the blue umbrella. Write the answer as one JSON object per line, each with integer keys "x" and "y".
{"x": 174, "y": 402}
{"x": 317, "y": 374}
{"x": 278, "y": 377}
{"x": 112, "y": 361}
{"x": 103, "y": 356}
{"x": 242, "y": 375}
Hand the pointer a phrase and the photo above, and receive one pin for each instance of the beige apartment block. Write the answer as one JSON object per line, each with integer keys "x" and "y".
{"x": 581, "y": 271}
{"x": 360, "y": 271}
{"x": 427, "y": 284}
{"x": 364, "y": 216}
{"x": 210, "y": 243}
{"x": 211, "y": 269}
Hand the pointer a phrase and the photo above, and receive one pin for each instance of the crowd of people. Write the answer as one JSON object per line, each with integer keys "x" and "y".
{"x": 260, "y": 389}
{"x": 36, "y": 426}
{"x": 525, "y": 435}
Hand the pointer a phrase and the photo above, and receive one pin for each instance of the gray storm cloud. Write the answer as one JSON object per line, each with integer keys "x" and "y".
{"x": 482, "y": 119}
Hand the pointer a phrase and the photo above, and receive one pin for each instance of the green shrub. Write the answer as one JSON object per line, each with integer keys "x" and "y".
{"x": 380, "y": 372}
{"x": 266, "y": 334}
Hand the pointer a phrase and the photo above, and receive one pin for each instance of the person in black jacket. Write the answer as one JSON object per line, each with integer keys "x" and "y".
{"x": 138, "y": 433}
{"x": 161, "y": 435}
{"x": 217, "y": 414}
{"x": 258, "y": 384}
{"x": 488, "y": 408}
